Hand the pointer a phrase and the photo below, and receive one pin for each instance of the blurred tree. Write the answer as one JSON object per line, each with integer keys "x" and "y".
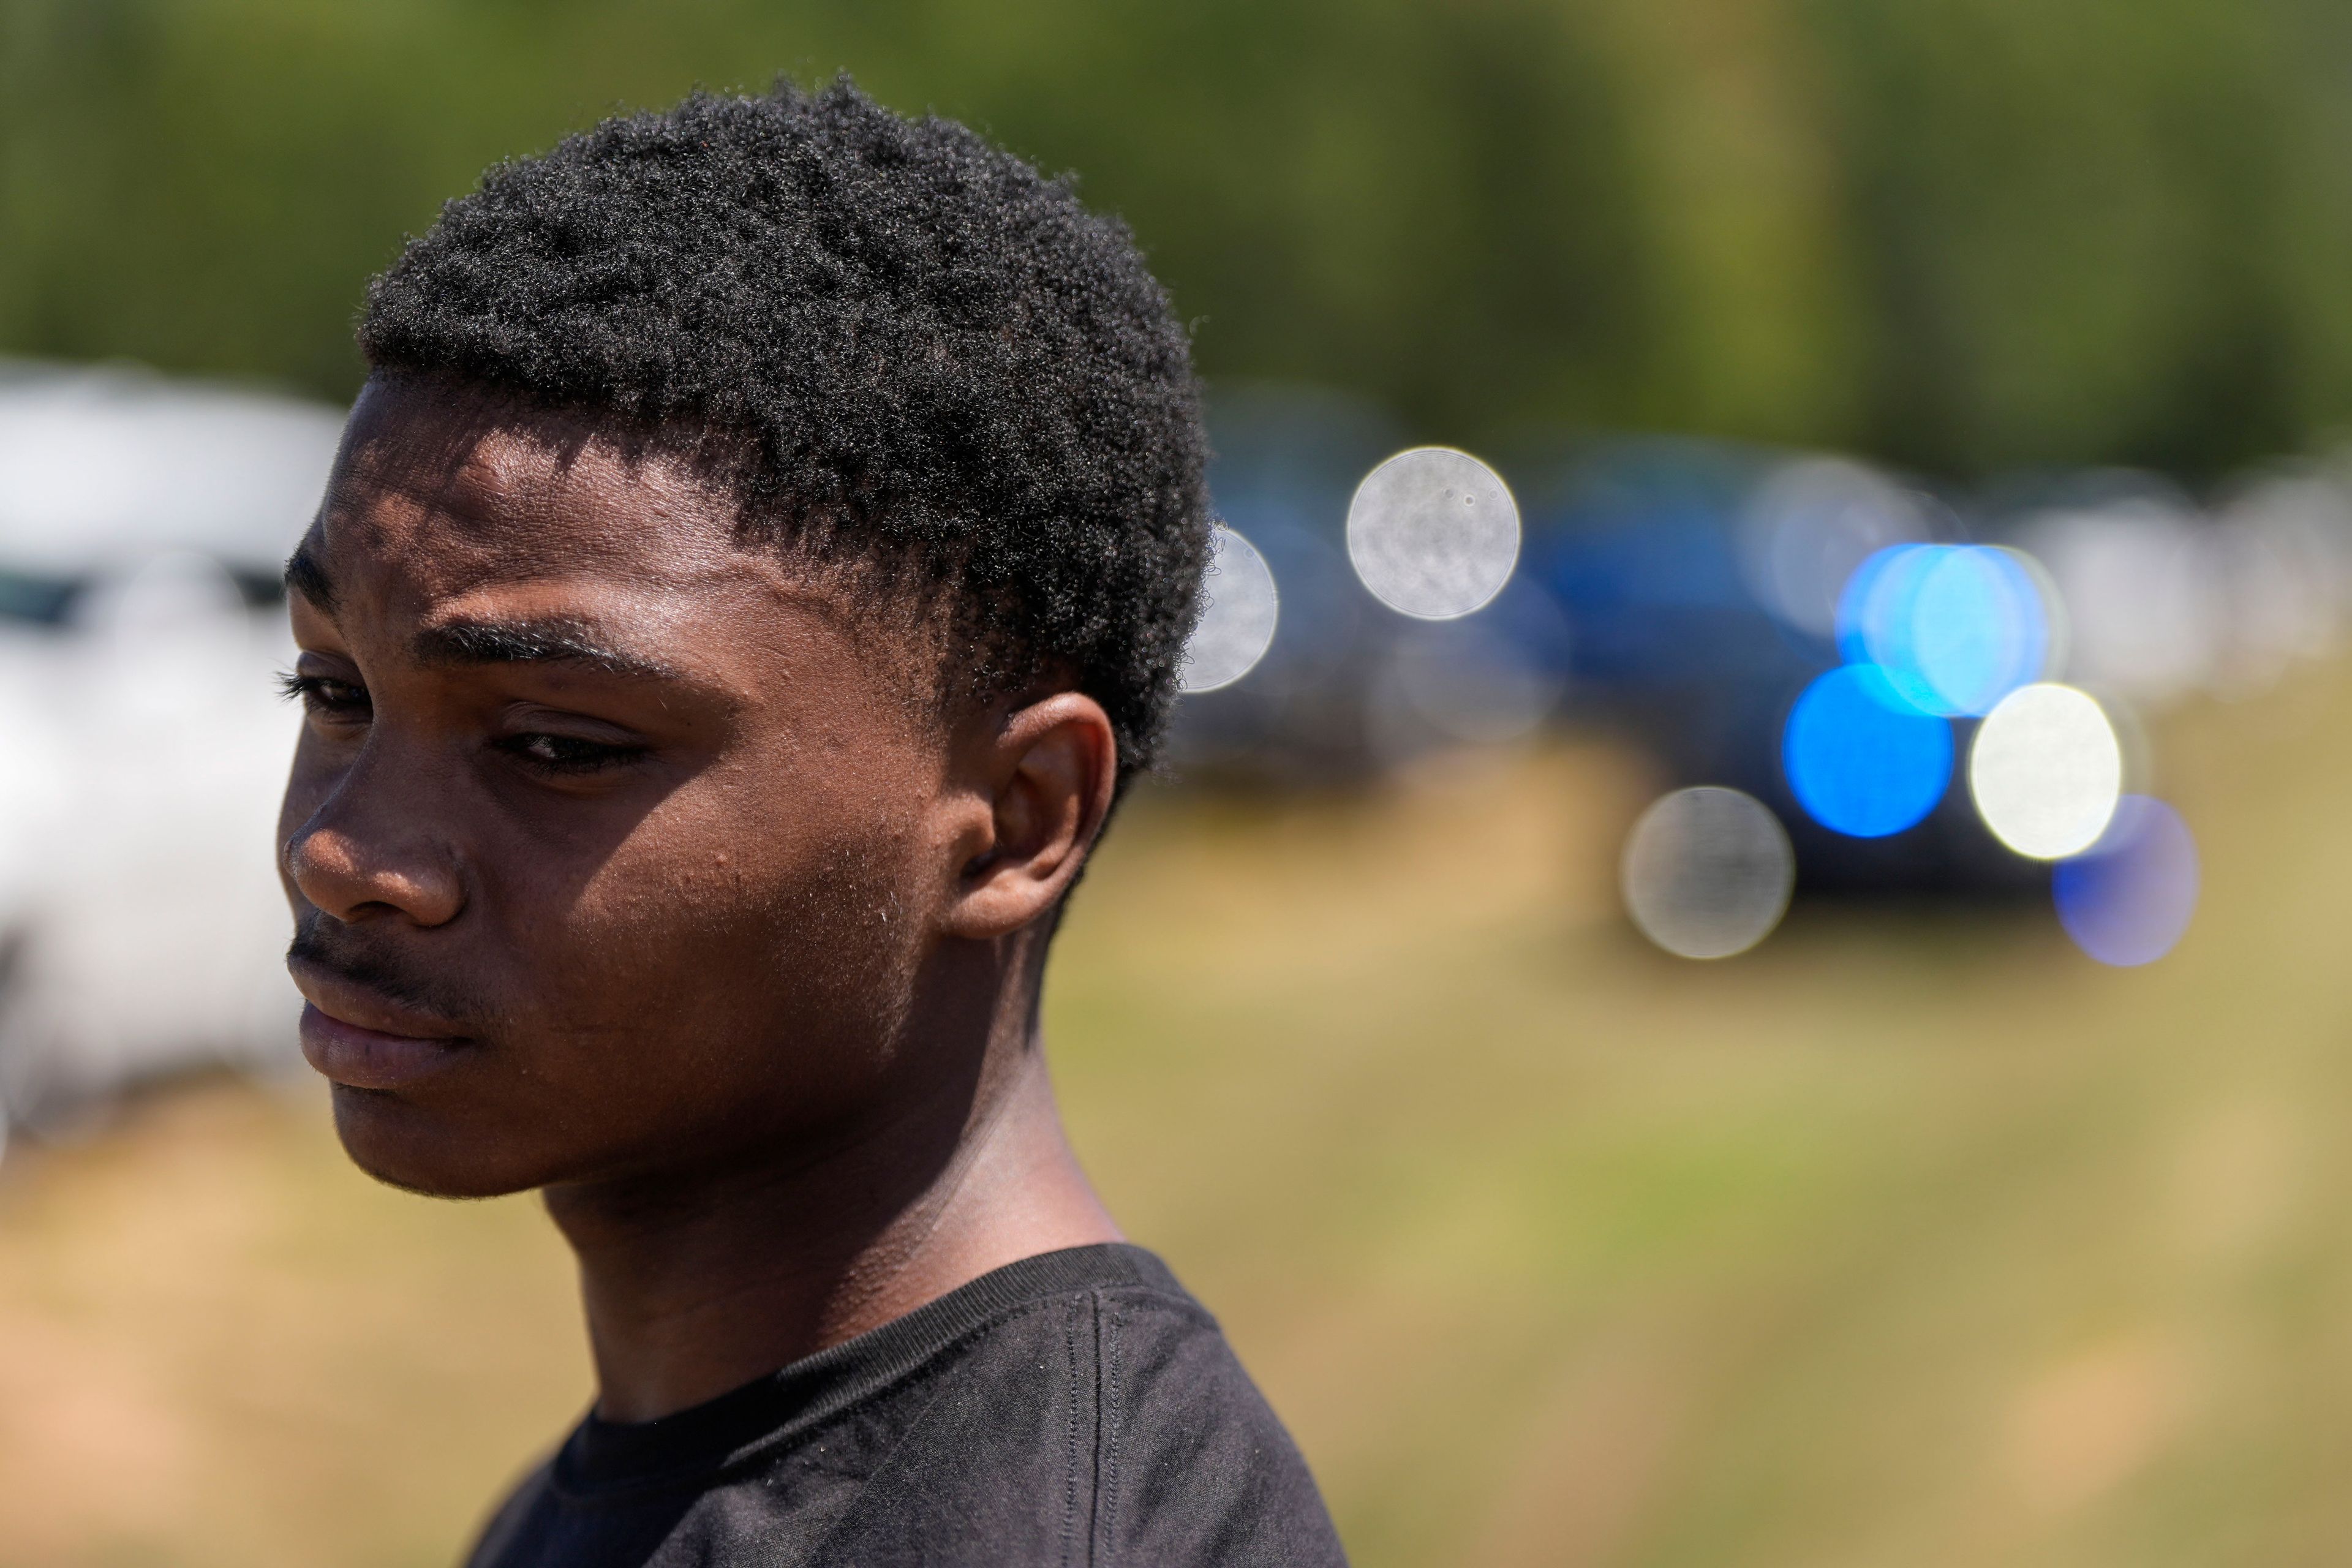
{"x": 1958, "y": 232}
{"x": 2095, "y": 229}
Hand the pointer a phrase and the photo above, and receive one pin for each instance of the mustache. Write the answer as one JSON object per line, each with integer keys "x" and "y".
{"x": 328, "y": 944}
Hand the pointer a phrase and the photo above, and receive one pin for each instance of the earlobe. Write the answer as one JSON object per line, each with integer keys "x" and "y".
{"x": 1049, "y": 771}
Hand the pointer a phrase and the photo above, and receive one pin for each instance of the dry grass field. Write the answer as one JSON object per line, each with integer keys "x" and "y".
{"x": 1913, "y": 1238}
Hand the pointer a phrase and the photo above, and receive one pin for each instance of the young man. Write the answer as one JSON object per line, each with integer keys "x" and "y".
{"x": 758, "y": 560}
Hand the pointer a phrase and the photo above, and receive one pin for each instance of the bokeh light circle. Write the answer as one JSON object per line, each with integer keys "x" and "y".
{"x": 1955, "y": 627}
{"x": 1979, "y": 630}
{"x": 1878, "y": 597}
{"x": 1861, "y": 761}
{"x": 1433, "y": 532}
{"x": 1808, "y": 525}
{"x": 1471, "y": 686}
{"x": 1237, "y": 623}
{"x": 2046, "y": 771}
{"x": 2129, "y": 898}
{"x": 1707, "y": 872}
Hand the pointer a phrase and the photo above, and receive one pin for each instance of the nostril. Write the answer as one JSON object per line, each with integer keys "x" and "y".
{"x": 352, "y": 879}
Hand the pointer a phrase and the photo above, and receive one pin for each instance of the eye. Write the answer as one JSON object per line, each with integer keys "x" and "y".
{"x": 568, "y": 753}
{"x": 324, "y": 696}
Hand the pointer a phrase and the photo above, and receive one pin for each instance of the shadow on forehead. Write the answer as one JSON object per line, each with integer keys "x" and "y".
{"x": 424, "y": 436}
{"x": 430, "y": 429}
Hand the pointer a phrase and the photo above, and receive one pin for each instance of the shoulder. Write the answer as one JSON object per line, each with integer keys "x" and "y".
{"x": 1079, "y": 1409}
{"x": 1106, "y": 1424}
{"x": 510, "y": 1524}
{"x": 1194, "y": 1466}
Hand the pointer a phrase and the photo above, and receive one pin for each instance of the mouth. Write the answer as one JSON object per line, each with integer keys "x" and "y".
{"x": 360, "y": 1039}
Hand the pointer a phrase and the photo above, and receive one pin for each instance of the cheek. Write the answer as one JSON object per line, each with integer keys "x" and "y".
{"x": 742, "y": 947}
{"x": 693, "y": 995}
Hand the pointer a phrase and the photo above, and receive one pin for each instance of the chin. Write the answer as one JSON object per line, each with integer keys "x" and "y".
{"x": 425, "y": 1150}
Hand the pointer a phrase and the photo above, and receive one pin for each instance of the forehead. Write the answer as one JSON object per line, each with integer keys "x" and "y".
{"x": 450, "y": 509}
{"x": 442, "y": 491}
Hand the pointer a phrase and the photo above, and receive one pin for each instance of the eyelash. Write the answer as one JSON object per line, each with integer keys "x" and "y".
{"x": 319, "y": 694}
{"x": 566, "y": 754}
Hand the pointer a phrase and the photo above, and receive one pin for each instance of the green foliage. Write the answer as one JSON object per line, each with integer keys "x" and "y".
{"x": 1958, "y": 233}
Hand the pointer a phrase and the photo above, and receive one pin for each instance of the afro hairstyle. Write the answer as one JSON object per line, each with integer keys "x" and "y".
{"x": 919, "y": 352}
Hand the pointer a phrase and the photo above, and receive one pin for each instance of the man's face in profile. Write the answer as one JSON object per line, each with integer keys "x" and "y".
{"x": 611, "y": 840}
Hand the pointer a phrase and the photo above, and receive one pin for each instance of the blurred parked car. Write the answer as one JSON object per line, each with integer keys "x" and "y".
{"x": 142, "y": 525}
{"x": 1685, "y": 594}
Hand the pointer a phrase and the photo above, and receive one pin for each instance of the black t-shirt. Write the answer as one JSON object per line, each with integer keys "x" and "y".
{"x": 1073, "y": 1408}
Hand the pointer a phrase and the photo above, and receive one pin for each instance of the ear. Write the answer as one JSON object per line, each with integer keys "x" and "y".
{"x": 1040, "y": 787}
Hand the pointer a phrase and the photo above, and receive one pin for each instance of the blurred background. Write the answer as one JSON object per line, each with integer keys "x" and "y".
{"x": 1738, "y": 960}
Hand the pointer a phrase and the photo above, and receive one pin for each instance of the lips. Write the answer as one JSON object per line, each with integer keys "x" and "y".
{"x": 360, "y": 1039}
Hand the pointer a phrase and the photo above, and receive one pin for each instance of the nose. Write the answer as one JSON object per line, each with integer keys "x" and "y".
{"x": 370, "y": 851}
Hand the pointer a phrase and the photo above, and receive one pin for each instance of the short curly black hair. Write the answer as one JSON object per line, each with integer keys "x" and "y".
{"x": 921, "y": 351}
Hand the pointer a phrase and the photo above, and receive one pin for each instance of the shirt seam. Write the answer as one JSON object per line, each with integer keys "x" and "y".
{"x": 1107, "y": 1419}
{"x": 1070, "y": 1437}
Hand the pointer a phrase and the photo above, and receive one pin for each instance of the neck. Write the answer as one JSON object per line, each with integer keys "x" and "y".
{"x": 696, "y": 1286}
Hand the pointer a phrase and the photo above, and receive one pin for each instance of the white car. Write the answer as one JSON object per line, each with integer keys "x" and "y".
{"x": 143, "y": 743}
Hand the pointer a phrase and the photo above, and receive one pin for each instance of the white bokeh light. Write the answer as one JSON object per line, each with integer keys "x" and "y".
{"x": 1707, "y": 872}
{"x": 1433, "y": 532}
{"x": 2046, "y": 771}
{"x": 1456, "y": 683}
{"x": 2283, "y": 553}
{"x": 1237, "y": 624}
{"x": 2147, "y": 609}
{"x": 1805, "y": 529}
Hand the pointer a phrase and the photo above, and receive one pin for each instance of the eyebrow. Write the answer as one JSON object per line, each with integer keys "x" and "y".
{"x": 555, "y": 640}
{"x": 307, "y": 575}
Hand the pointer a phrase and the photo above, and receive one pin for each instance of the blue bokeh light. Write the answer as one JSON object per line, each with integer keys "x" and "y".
{"x": 1861, "y": 760}
{"x": 2127, "y": 899}
{"x": 1880, "y": 587}
{"x": 1978, "y": 629}
{"x": 1955, "y": 627}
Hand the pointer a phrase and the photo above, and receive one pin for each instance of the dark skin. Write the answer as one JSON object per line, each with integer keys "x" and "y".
{"x": 634, "y": 864}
